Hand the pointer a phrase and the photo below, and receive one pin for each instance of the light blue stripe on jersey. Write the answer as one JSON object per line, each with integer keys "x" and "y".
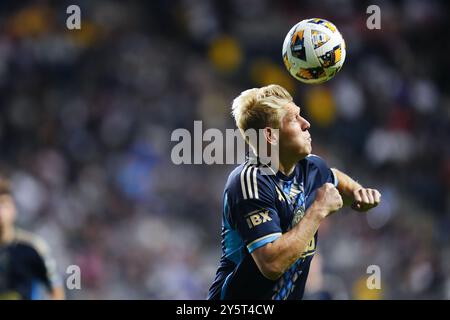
{"x": 262, "y": 242}
{"x": 232, "y": 241}
{"x": 287, "y": 186}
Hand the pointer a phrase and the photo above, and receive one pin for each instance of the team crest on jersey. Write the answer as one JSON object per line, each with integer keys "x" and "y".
{"x": 298, "y": 215}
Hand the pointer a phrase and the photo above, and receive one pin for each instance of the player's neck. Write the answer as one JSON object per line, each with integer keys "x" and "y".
{"x": 286, "y": 166}
{"x": 6, "y": 235}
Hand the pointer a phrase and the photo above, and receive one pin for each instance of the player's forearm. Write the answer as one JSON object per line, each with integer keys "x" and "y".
{"x": 287, "y": 249}
{"x": 346, "y": 186}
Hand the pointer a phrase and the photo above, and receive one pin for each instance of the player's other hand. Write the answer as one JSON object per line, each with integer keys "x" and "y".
{"x": 365, "y": 199}
{"x": 328, "y": 200}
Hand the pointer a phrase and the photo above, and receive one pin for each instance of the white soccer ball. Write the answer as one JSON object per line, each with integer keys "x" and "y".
{"x": 313, "y": 50}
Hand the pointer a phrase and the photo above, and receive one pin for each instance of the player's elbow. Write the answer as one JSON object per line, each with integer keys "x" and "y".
{"x": 271, "y": 271}
{"x": 272, "y": 275}
{"x": 268, "y": 262}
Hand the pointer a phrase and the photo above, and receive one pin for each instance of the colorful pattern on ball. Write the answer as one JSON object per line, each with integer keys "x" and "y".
{"x": 313, "y": 51}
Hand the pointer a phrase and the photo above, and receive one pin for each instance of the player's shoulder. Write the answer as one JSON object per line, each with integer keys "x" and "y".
{"x": 32, "y": 241}
{"x": 315, "y": 160}
{"x": 248, "y": 181}
{"x": 317, "y": 170}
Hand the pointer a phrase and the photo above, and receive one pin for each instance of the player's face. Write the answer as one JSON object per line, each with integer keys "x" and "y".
{"x": 7, "y": 211}
{"x": 295, "y": 140}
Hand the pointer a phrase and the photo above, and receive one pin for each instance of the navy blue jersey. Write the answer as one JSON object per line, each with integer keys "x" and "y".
{"x": 258, "y": 209}
{"x": 26, "y": 270}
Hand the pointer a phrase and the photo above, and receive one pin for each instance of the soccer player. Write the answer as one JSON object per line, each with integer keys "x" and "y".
{"x": 270, "y": 222}
{"x": 25, "y": 265}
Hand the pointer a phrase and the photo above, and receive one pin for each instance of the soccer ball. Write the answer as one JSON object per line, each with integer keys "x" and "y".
{"x": 313, "y": 51}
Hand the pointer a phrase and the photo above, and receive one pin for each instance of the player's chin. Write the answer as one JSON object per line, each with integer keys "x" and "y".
{"x": 304, "y": 152}
{"x": 307, "y": 148}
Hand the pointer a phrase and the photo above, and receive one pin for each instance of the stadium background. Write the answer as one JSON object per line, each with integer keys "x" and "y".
{"x": 86, "y": 118}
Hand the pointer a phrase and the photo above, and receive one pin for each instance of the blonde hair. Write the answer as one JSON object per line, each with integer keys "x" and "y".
{"x": 258, "y": 108}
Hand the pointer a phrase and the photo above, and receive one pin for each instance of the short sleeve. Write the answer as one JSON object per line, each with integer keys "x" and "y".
{"x": 325, "y": 174}
{"x": 252, "y": 209}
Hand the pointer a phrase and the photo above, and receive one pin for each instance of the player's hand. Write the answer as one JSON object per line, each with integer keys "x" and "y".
{"x": 365, "y": 199}
{"x": 328, "y": 200}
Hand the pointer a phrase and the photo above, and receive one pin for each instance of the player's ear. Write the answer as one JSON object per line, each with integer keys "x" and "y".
{"x": 271, "y": 135}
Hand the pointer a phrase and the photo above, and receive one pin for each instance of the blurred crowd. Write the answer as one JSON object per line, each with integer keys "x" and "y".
{"x": 87, "y": 115}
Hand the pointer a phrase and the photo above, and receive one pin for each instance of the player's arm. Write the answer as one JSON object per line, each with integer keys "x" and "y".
{"x": 274, "y": 258}
{"x": 354, "y": 194}
{"x": 57, "y": 293}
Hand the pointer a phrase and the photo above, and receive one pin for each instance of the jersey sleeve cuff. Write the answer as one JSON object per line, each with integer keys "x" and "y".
{"x": 335, "y": 178}
{"x": 252, "y": 246}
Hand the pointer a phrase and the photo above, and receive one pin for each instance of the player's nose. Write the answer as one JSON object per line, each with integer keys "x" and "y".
{"x": 305, "y": 124}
